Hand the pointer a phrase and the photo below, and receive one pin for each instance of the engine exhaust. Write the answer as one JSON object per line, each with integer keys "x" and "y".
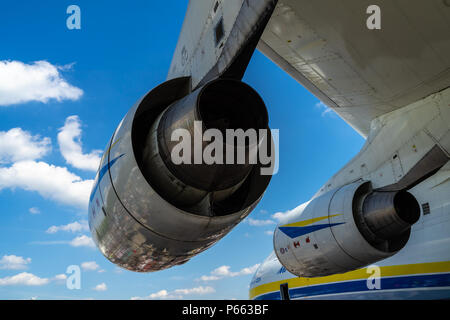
{"x": 219, "y": 105}
{"x": 388, "y": 215}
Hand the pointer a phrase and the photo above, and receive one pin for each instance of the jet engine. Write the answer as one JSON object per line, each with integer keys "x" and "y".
{"x": 147, "y": 212}
{"x": 345, "y": 229}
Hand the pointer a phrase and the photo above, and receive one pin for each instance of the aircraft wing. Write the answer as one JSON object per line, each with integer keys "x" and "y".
{"x": 360, "y": 73}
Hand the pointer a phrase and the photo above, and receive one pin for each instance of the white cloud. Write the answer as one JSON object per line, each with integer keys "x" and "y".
{"x": 283, "y": 217}
{"x": 73, "y": 227}
{"x": 52, "y": 182}
{"x": 60, "y": 278}
{"x": 159, "y": 295}
{"x": 209, "y": 278}
{"x": 269, "y": 232}
{"x": 90, "y": 266}
{"x": 225, "y": 272}
{"x": 325, "y": 109}
{"x": 22, "y": 150}
{"x": 69, "y": 140}
{"x": 34, "y": 210}
{"x": 222, "y": 271}
{"x": 17, "y": 145}
{"x": 260, "y": 223}
{"x": 24, "y": 278}
{"x": 82, "y": 241}
{"x": 101, "y": 287}
{"x": 13, "y": 262}
{"x": 196, "y": 291}
{"x": 118, "y": 270}
{"x": 176, "y": 294}
{"x": 39, "y": 81}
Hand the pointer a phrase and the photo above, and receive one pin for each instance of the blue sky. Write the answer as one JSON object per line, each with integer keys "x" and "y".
{"x": 51, "y": 133}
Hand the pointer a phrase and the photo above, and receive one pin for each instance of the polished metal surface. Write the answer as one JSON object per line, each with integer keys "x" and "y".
{"x": 337, "y": 240}
{"x": 133, "y": 225}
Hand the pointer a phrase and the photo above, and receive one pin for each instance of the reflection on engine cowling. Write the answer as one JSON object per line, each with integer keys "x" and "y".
{"x": 345, "y": 229}
{"x": 147, "y": 213}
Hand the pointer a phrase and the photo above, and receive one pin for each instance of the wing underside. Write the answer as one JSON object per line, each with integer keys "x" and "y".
{"x": 360, "y": 73}
{"x": 326, "y": 46}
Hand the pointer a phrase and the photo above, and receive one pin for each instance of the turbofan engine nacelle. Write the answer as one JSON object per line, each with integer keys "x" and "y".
{"x": 147, "y": 213}
{"x": 345, "y": 229}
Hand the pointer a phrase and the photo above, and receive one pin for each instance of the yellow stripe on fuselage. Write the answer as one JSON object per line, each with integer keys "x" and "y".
{"x": 386, "y": 271}
{"x": 309, "y": 221}
{"x": 109, "y": 149}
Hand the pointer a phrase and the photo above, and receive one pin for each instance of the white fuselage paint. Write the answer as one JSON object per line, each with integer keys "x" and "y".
{"x": 397, "y": 141}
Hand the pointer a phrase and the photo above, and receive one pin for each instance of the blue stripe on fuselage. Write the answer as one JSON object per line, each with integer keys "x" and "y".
{"x": 102, "y": 172}
{"x": 391, "y": 283}
{"x": 294, "y": 232}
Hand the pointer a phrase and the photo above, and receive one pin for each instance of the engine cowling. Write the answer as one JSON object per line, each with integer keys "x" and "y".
{"x": 147, "y": 213}
{"x": 345, "y": 229}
